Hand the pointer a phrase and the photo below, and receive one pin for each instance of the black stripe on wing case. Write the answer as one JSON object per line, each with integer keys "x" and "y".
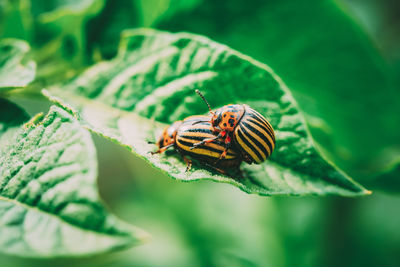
{"x": 188, "y": 144}
{"x": 255, "y": 141}
{"x": 254, "y": 114}
{"x": 262, "y": 126}
{"x": 262, "y": 136}
{"x": 201, "y": 138}
{"x": 201, "y": 130}
{"x": 250, "y": 146}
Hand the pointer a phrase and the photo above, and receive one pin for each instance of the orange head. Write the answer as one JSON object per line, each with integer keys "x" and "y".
{"x": 168, "y": 136}
{"x": 225, "y": 118}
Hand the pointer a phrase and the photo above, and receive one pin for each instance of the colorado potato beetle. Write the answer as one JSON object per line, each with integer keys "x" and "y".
{"x": 184, "y": 134}
{"x": 247, "y": 129}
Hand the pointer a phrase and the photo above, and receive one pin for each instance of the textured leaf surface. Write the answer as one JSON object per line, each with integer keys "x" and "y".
{"x": 328, "y": 62}
{"x": 49, "y": 204}
{"x": 15, "y": 71}
{"x": 155, "y": 75}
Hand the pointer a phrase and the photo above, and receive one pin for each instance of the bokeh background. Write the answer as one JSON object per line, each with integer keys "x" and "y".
{"x": 341, "y": 59}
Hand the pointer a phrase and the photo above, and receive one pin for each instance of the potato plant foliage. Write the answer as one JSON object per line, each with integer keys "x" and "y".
{"x": 73, "y": 72}
{"x": 49, "y": 203}
{"x": 154, "y": 76}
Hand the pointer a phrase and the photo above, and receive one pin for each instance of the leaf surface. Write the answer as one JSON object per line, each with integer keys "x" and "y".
{"x": 154, "y": 78}
{"x": 49, "y": 205}
{"x": 331, "y": 66}
{"x": 15, "y": 70}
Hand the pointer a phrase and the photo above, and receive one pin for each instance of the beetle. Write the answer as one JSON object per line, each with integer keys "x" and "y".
{"x": 184, "y": 134}
{"x": 247, "y": 129}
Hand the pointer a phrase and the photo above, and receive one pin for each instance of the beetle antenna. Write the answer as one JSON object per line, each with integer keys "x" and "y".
{"x": 204, "y": 99}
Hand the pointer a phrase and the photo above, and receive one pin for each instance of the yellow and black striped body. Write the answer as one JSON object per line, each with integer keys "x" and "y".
{"x": 254, "y": 136}
{"x": 195, "y": 129}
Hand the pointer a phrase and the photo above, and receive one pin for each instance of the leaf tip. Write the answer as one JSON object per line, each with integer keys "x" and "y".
{"x": 57, "y": 101}
{"x": 139, "y": 236}
{"x": 145, "y": 237}
{"x": 368, "y": 192}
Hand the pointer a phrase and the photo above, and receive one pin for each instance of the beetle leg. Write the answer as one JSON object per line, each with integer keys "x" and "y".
{"x": 223, "y": 154}
{"x": 222, "y": 171}
{"x": 227, "y": 146}
{"x": 197, "y": 122}
{"x": 208, "y": 140}
{"x": 188, "y": 162}
{"x": 161, "y": 150}
{"x": 217, "y": 129}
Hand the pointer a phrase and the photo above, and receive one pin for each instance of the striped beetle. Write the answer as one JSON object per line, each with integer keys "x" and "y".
{"x": 252, "y": 134}
{"x": 184, "y": 134}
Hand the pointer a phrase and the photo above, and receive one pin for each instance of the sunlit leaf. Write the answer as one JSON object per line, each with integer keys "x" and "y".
{"x": 49, "y": 205}
{"x": 15, "y": 70}
{"x": 333, "y": 69}
{"x": 154, "y": 78}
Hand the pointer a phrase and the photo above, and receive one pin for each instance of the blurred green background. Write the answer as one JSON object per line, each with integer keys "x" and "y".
{"x": 341, "y": 59}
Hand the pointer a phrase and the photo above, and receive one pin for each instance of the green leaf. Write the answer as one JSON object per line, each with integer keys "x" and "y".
{"x": 328, "y": 62}
{"x": 49, "y": 205}
{"x": 15, "y": 70}
{"x": 155, "y": 75}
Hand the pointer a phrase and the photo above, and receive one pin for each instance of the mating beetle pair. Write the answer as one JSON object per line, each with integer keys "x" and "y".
{"x": 184, "y": 135}
{"x": 232, "y": 134}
